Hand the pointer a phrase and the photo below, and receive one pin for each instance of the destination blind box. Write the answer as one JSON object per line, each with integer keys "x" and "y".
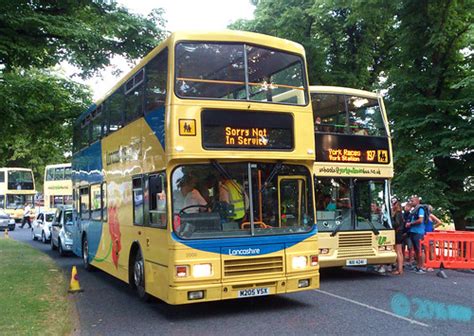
{"x": 247, "y": 130}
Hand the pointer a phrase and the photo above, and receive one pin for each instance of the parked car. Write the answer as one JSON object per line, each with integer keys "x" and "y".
{"x": 42, "y": 226}
{"x": 61, "y": 230}
{"x": 6, "y": 222}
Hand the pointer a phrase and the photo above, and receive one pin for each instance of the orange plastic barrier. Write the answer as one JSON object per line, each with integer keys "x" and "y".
{"x": 450, "y": 249}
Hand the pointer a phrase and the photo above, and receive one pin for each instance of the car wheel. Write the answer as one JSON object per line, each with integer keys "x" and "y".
{"x": 85, "y": 255}
{"x": 43, "y": 237}
{"x": 139, "y": 277}
{"x": 33, "y": 236}
{"x": 53, "y": 247}
{"x": 62, "y": 253}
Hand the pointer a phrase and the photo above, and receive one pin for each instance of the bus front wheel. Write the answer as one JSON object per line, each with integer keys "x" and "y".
{"x": 139, "y": 277}
{"x": 85, "y": 255}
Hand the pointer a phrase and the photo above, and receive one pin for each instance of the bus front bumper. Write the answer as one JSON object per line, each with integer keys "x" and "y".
{"x": 184, "y": 294}
{"x": 381, "y": 259}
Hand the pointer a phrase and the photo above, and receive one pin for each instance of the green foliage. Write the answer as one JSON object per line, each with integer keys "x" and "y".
{"x": 38, "y": 105}
{"x": 420, "y": 52}
{"x": 85, "y": 33}
{"x": 37, "y": 111}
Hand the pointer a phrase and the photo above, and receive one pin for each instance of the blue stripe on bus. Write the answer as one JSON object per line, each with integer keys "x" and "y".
{"x": 156, "y": 120}
{"x": 87, "y": 164}
{"x": 246, "y": 246}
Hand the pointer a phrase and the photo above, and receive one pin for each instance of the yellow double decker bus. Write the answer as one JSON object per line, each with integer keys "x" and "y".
{"x": 57, "y": 187}
{"x": 17, "y": 187}
{"x": 353, "y": 167}
{"x": 193, "y": 179}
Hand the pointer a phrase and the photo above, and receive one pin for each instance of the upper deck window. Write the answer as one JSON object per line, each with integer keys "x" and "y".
{"x": 337, "y": 113}
{"x": 20, "y": 180}
{"x": 235, "y": 71}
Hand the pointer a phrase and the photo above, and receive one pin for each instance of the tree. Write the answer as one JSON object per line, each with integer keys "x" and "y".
{"x": 432, "y": 107}
{"x": 85, "y": 33}
{"x": 344, "y": 40}
{"x": 38, "y": 105}
{"x": 37, "y": 129}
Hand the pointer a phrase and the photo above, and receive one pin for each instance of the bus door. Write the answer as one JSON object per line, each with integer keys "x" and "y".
{"x": 292, "y": 200}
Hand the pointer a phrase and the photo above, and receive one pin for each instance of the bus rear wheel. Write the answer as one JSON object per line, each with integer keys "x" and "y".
{"x": 139, "y": 277}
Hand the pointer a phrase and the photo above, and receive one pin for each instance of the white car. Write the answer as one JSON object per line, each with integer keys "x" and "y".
{"x": 42, "y": 226}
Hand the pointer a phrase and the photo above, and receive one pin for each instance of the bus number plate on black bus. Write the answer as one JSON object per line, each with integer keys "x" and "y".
{"x": 253, "y": 292}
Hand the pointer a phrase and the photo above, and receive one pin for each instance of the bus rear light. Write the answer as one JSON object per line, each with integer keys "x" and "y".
{"x": 314, "y": 260}
{"x": 181, "y": 271}
{"x": 324, "y": 251}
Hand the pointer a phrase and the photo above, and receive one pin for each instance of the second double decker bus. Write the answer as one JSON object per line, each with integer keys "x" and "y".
{"x": 17, "y": 187}
{"x": 353, "y": 168}
{"x": 57, "y": 185}
{"x": 192, "y": 177}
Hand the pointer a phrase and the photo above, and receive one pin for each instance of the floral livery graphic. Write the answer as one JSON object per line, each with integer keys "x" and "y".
{"x": 114, "y": 230}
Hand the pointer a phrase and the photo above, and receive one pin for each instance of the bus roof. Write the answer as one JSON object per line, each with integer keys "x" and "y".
{"x": 58, "y": 165}
{"x": 14, "y": 168}
{"x": 343, "y": 90}
{"x": 223, "y": 35}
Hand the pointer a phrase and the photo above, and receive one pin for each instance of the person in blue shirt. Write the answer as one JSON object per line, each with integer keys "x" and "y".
{"x": 330, "y": 205}
{"x": 416, "y": 231}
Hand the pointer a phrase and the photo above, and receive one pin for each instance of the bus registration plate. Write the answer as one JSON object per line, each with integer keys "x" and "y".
{"x": 254, "y": 292}
{"x": 356, "y": 262}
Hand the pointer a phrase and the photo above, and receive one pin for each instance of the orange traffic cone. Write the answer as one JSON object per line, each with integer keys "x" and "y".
{"x": 6, "y": 234}
{"x": 74, "y": 286}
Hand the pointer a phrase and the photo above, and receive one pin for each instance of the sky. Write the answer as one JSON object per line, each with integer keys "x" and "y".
{"x": 180, "y": 15}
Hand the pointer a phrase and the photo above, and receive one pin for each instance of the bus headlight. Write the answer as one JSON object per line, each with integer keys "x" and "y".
{"x": 386, "y": 248}
{"x": 202, "y": 270}
{"x": 299, "y": 262}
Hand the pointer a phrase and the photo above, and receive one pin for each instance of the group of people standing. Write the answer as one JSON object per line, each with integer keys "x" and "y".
{"x": 411, "y": 223}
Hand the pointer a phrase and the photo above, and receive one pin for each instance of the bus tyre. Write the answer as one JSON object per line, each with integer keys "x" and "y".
{"x": 85, "y": 255}
{"x": 139, "y": 277}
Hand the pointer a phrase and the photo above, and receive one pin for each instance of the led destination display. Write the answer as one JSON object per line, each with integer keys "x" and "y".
{"x": 246, "y": 130}
{"x": 352, "y": 149}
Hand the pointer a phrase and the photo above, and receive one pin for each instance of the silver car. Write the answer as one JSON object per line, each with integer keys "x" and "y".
{"x": 42, "y": 226}
{"x": 61, "y": 230}
{"x": 6, "y": 222}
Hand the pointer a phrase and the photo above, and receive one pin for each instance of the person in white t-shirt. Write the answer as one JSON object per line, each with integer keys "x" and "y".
{"x": 26, "y": 216}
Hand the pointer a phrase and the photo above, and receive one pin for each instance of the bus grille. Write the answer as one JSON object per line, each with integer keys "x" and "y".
{"x": 355, "y": 245}
{"x": 255, "y": 266}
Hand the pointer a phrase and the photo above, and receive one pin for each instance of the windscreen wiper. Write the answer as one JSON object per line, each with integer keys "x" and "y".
{"x": 338, "y": 227}
{"x": 374, "y": 229}
{"x": 276, "y": 168}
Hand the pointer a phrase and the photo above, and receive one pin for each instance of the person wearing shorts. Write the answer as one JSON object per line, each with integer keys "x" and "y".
{"x": 417, "y": 231}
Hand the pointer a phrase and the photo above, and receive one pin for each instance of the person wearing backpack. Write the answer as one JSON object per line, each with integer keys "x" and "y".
{"x": 416, "y": 226}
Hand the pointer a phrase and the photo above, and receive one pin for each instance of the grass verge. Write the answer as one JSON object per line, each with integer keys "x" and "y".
{"x": 33, "y": 293}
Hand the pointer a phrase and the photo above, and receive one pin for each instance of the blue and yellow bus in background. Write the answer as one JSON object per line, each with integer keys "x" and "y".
{"x": 353, "y": 167}
{"x": 57, "y": 187}
{"x": 192, "y": 178}
{"x": 17, "y": 187}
